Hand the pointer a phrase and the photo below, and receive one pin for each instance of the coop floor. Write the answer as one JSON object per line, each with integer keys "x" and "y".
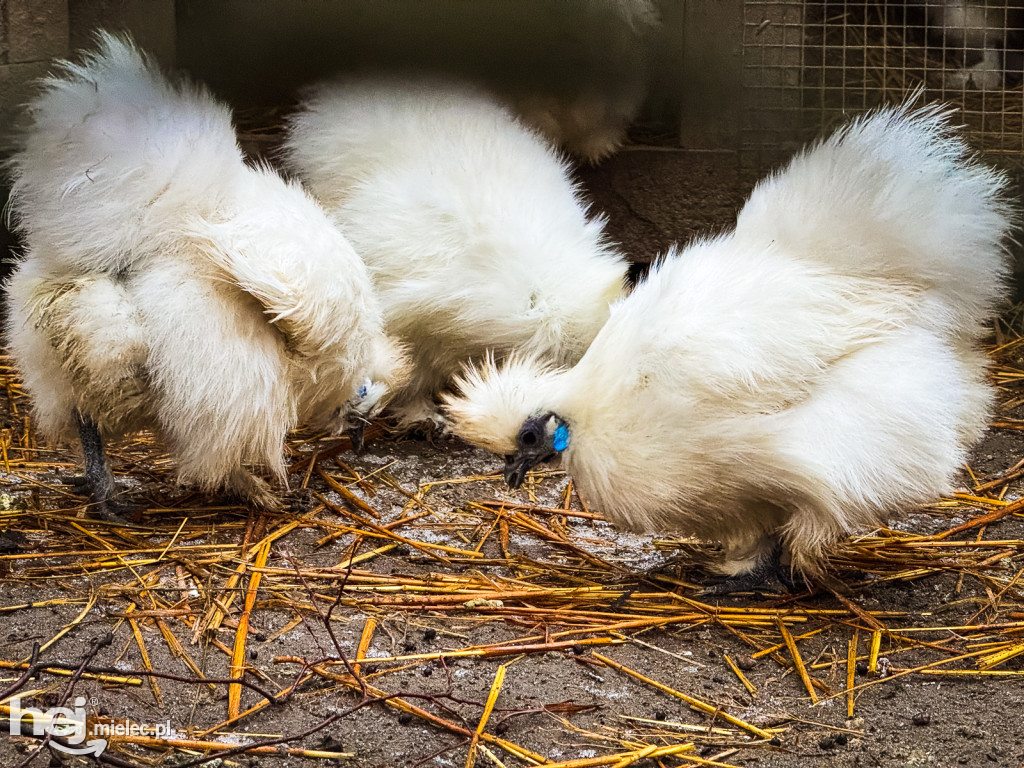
{"x": 527, "y": 582}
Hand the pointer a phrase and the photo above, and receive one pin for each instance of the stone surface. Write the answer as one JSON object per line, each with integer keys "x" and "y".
{"x": 37, "y": 30}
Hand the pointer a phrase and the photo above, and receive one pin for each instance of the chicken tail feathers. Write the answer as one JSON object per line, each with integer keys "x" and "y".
{"x": 896, "y": 195}
{"x": 111, "y": 145}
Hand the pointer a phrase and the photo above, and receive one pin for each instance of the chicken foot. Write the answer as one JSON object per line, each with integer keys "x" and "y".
{"x": 98, "y": 480}
{"x": 767, "y": 570}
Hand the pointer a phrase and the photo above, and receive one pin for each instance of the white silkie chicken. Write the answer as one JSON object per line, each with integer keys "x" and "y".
{"x": 168, "y": 285}
{"x": 603, "y": 52}
{"x": 475, "y": 236}
{"x": 796, "y": 379}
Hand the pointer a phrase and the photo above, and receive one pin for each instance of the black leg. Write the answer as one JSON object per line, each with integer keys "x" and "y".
{"x": 768, "y": 569}
{"x": 99, "y": 480}
{"x": 763, "y": 578}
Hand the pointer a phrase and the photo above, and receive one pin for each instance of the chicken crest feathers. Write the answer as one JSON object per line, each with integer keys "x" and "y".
{"x": 494, "y": 400}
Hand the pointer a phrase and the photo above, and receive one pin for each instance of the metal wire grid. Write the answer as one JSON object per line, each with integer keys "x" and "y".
{"x": 809, "y": 63}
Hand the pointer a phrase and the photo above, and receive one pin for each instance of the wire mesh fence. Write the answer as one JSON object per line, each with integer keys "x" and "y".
{"x": 807, "y": 63}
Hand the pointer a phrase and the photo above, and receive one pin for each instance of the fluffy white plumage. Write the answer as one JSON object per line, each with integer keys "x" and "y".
{"x": 795, "y": 379}
{"x": 166, "y": 284}
{"x": 474, "y": 234}
{"x": 598, "y": 95}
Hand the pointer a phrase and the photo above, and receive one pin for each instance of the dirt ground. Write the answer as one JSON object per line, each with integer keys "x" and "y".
{"x": 527, "y": 595}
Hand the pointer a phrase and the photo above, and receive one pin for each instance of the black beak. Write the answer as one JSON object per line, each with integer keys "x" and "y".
{"x": 515, "y": 471}
{"x": 518, "y": 464}
{"x": 355, "y": 435}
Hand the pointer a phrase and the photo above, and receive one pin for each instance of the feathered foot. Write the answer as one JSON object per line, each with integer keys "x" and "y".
{"x": 420, "y": 417}
{"x": 252, "y": 490}
{"x": 98, "y": 481}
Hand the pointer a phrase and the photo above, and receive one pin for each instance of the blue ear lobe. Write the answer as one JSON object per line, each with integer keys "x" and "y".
{"x": 362, "y": 391}
{"x": 561, "y": 438}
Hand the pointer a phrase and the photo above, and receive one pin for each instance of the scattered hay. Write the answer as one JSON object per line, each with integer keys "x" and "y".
{"x": 191, "y": 575}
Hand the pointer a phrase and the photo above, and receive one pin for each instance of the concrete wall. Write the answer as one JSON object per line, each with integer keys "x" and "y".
{"x": 711, "y": 73}
{"x": 539, "y": 46}
{"x": 260, "y": 52}
{"x": 34, "y": 32}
